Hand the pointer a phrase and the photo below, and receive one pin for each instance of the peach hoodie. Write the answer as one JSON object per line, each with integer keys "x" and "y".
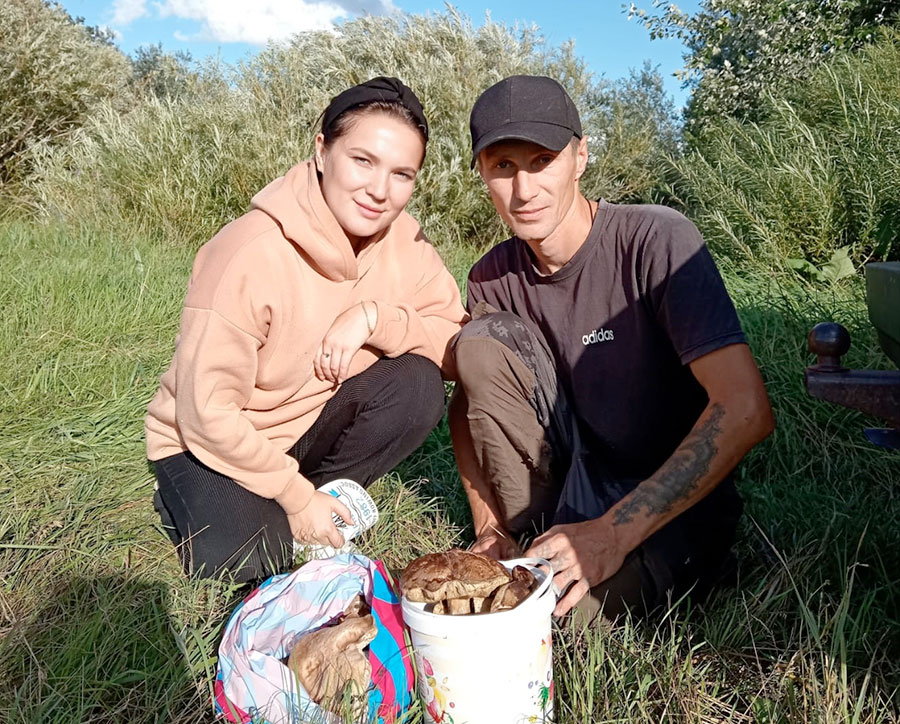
{"x": 240, "y": 390}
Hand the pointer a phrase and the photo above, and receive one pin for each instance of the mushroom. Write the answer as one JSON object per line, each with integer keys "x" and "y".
{"x": 327, "y": 660}
{"x": 444, "y": 578}
{"x": 459, "y": 606}
{"x": 511, "y": 594}
{"x": 357, "y": 607}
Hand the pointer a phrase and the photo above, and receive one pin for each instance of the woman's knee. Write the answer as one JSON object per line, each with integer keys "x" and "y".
{"x": 423, "y": 389}
{"x": 418, "y": 389}
{"x": 218, "y": 527}
{"x": 259, "y": 557}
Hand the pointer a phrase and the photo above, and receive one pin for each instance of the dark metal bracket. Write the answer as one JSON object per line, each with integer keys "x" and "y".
{"x": 875, "y": 392}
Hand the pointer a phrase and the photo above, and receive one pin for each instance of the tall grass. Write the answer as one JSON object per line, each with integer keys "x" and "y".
{"x": 53, "y": 73}
{"x": 180, "y": 168}
{"x": 98, "y": 624}
{"x": 820, "y": 173}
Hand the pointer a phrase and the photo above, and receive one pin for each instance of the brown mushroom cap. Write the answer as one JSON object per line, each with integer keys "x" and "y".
{"x": 453, "y": 574}
{"x": 514, "y": 592}
{"x": 325, "y": 661}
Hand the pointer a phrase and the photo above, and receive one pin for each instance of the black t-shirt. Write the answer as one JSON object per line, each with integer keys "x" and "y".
{"x": 640, "y": 300}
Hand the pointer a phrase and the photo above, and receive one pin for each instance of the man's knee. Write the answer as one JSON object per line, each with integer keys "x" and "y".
{"x": 504, "y": 327}
{"x": 483, "y": 352}
{"x": 477, "y": 360}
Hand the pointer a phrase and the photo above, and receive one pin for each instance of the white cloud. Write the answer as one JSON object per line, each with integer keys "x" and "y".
{"x": 257, "y": 22}
{"x": 125, "y": 12}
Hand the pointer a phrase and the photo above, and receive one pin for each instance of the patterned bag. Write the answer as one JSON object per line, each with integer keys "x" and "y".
{"x": 252, "y": 683}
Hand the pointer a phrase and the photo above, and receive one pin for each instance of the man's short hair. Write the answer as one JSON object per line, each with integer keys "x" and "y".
{"x": 524, "y": 108}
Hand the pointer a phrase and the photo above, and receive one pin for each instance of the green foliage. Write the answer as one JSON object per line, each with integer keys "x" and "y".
{"x": 162, "y": 74}
{"x": 633, "y": 134}
{"x": 98, "y": 624}
{"x": 54, "y": 72}
{"x": 184, "y": 166}
{"x": 837, "y": 268}
{"x": 739, "y": 50}
{"x": 819, "y": 174}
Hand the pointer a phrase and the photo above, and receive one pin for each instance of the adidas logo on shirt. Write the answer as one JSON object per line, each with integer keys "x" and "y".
{"x": 598, "y": 335}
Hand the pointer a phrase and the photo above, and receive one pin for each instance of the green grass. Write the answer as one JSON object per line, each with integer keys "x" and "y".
{"x": 817, "y": 173}
{"x": 97, "y": 623}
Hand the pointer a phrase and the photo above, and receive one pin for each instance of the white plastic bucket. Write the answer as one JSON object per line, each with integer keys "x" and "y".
{"x": 490, "y": 668}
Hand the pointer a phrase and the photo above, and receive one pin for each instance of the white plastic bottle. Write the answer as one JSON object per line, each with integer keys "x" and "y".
{"x": 362, "y": 509}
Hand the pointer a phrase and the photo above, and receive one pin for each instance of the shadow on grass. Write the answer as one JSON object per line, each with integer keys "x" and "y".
{"x": 434, "y": 465}
{"x": 101, "y": 650}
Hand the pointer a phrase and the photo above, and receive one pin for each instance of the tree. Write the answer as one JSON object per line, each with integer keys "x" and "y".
{"x": 162, "y": 74}
{"x": 632, "y": 130}
{"x": 184, "y": 165}
{"x": 738, "y": 50}
{"x": 812, "y": 186}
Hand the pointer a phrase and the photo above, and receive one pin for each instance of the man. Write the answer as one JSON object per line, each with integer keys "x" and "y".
{"x": 606, "y": 389}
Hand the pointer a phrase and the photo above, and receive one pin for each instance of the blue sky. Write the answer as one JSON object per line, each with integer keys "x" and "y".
{"x": 603, "y": 35}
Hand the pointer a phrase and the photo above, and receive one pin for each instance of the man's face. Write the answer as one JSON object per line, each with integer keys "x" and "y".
{"x": 533, "y": 188}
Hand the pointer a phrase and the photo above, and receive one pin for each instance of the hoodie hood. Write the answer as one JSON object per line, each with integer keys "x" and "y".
{"x": 296, "y": 204}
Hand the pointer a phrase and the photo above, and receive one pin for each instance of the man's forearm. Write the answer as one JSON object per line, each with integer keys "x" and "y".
{"x": 716, "y": 443}
{"x": 486, "y": 513}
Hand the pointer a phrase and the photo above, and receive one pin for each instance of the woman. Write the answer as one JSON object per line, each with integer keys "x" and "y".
{"x": 311, "y": 339}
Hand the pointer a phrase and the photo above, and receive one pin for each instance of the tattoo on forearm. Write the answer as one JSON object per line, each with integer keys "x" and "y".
{"x": 679, "y": 475}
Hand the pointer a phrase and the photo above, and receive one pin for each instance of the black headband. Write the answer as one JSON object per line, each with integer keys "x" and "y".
{"x": 381, "y": 88}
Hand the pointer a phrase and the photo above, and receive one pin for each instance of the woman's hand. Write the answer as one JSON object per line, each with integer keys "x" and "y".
{"x": 314, "y": 524}
{"x": 348, "y": 332}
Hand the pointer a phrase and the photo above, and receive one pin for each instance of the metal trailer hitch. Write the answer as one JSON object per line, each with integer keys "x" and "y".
{"x": 875, "y": 392}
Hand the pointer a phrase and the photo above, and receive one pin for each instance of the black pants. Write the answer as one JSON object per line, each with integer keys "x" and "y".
{"x": 528, "y": 447}
{"x": 375, "y": 420}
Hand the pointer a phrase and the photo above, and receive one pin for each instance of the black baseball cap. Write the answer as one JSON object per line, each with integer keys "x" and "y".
{"x": 524, "y": 108}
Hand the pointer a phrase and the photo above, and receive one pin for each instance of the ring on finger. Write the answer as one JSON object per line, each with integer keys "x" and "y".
{"x": 326, "y": 355}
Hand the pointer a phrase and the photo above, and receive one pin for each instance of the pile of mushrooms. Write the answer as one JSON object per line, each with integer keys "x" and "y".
{"x": 459, "y": 582}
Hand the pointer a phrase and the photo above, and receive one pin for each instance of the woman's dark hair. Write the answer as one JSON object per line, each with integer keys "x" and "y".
{"x": 334, "y": 128}
{"x": 378, "y": 95}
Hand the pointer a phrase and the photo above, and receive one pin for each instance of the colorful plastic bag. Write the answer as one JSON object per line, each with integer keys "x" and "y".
{"x": 252, "y": 683}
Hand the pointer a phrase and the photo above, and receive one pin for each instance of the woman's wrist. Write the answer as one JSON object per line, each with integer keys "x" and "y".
{"x": 371, "y": 319}
{"x": 296, "y": 496}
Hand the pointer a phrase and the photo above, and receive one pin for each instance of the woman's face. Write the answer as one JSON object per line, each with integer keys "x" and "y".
{"x": 368, "y": 172}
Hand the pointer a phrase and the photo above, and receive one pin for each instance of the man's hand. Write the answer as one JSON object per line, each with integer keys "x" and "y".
{"x": 582, "y": 555}
{"x": 314, "y": 523}
{"x": 344, "y": 338}
{"x": 496, "y": 543}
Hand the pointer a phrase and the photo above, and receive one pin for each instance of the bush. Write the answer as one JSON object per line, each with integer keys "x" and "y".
{"x": 740, "y": 50}
{"x": 161, "y": 74}
{"x": 53, "y": 72}
{"x": 821, "y": 173}
{"x": 183, "y": 167}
